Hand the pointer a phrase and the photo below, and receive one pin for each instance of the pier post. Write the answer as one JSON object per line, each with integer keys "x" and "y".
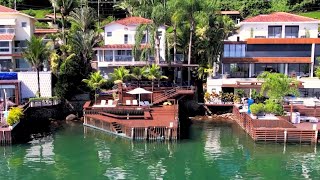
{"x": 145, "y": 133}
{"x": 169, "y": 133}
{"x": 132, "y": 133}
{"x": 285, "y": 136}
{"x": 314, "y": 127}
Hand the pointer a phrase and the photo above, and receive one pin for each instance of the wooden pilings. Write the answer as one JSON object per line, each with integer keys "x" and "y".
{"x": 5, "y": 138}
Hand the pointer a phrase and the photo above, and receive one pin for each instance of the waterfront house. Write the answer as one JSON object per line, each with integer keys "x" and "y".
{"x": 119, "y": 40}
{"x": 277, "y": 42}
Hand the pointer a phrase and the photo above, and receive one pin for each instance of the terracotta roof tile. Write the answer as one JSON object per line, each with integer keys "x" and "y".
{"x": 279, "y": 17}
{"x": 7, "y": 37}
{"x": 133, "y": 20}
{"x": 45, "y": 31}
{"x": 6, "y": 9}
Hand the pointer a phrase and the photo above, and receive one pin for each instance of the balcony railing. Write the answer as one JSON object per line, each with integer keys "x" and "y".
{"x": 7, "y": 31}
{"x": 18, "y": 49}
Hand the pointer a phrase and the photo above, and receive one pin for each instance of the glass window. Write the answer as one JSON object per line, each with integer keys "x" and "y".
{"x": 4, "y": 43}
{"x": 298, "y": 70}
{"x": 274, "y": 31}
{"x": 109, "y": 34}
{"x": 126, "y": 39}
{"x": 292, "y": 31}
{"x": 232, "y": 50}
{"x": 144, "y": 39}
{"x": 23, "y": 24}
{"x": 238, "y": 50}
{"x": 226, "y": 52}
{"x": 236, "y": 70}
{"x": 121, "y": 52}
{"x": 22, "y": 64}
{"x": 5, "y": 65}
{"x": 243, "y": 50}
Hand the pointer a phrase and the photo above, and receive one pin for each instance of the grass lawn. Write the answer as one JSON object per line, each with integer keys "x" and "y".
{"x": 311, "y": 14}
{"x": 38, "y": 13}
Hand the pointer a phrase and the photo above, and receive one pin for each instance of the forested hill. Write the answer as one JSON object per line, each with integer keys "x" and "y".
{"x": 246, "y": 7}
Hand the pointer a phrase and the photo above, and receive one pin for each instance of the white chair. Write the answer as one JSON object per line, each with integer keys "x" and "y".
{"x": 102, "y": 104}
{"x": 135, "y": 102}
{"x": 146, "y": 103}
{"x": 110, "y": 103}
{"x": 141, "y": 103}
{"x": 128, "y": 102}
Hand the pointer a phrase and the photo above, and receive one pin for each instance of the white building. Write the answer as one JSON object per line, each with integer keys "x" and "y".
{"x": 278, "y": 42}
{"x": 119, "y": 40}
{"x": 15, "y": 29}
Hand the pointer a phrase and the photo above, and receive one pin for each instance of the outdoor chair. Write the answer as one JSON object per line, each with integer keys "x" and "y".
{"x": 110, "y": 103}
{"x": 146, "y": 103}
{"x": 141, "y": 103}
{"x": 102, "y": 104}
{"x": 135, "y": 102}
{"x": 128, "y": 102}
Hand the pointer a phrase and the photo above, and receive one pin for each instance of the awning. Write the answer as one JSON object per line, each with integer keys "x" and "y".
{"x": 8, "y": 22}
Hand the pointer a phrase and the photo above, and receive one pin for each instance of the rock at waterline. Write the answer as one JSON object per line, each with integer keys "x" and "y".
{"x": 71, "y": 117}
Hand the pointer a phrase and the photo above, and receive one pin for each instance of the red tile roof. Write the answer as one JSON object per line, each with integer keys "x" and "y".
{"x": 279, "y": 17}
{"x": 45, "y": 31}
{"x": 6, "y": 37}
{"x": 6, "y": 9}
{"x": 133, "y": 20}
{"x": 119, "y": 46}
{"x": 230, "y": 12}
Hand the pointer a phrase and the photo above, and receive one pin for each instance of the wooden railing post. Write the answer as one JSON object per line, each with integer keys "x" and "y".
{"x": 132, "y": 133}
{"x": 145, "y": 133}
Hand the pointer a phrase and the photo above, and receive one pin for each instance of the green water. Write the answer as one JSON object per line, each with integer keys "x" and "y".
{"x": 213, "y": 152}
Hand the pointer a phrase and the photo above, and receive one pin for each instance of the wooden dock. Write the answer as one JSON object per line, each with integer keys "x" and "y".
{"x": 133, "y": 122}
{"x": 5, "y": 136}
{"x": 276, "y": 130}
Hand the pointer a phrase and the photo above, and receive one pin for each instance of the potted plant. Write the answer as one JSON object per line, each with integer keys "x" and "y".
{"x": 257, "y": 110}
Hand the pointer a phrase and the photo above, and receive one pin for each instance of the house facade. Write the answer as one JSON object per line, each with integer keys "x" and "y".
{"x": 278, "y": 42}
{"x": 15, "y": 29}
{"x": 119, "y": 40}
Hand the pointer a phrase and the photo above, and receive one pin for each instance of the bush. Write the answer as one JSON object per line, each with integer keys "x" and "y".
{"x": 274, "y": 108}
{"x": 30, "y": 12}
{"x": 257, "y": 108}
{"x": 42, "y": 25}
{"x": 15, "y": 115}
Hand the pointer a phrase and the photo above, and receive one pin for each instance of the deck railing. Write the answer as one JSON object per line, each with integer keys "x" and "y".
{"x": 273, "y": 130}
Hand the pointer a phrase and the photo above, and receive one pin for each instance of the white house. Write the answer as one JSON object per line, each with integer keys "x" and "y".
{"x": 15, "y": 29}
{"x": 119, "y": 40}
{"x": 277, "y": 42}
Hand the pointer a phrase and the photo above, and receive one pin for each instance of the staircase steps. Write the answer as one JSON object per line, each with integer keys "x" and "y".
{"x": 117, "y": 127}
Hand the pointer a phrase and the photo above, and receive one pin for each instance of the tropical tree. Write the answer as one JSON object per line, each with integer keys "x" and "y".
{"x": 277, "y": 85}
{"x": 54, "y": 6}
{"x": 154, "y": 73}
{"x": 119, "y": 74}
{"x": 95, "y": 82}
{"x": 83, "y": 18}
{"x": 138, "y": 73}
{"x": 36, "y": 53}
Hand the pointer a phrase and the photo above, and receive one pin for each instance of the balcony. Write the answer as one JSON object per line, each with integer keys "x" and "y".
{"x": 18, "y": 49}
{"x": 7, "y": 31}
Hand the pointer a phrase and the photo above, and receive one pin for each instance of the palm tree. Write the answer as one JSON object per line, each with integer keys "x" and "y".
{"x": 95, "y": 82}
{"x": 54, "y": 6}
{"x": 119, "y": 74}
{"x": 36, "y": 53}
{"x": 138, "y": 73}
{"x": 83, "y": 17}
{"x": 154, "y": 73}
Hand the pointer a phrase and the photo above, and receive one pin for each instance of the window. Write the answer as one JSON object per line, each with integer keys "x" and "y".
{"x": 236, "y": 70}
{"x": 259, "y": 68}
{"x": 292, "y": 32}
{"x": 109, "y": 34}
{"x": 23, "y": 24}
{"x": 234, "y": 50}
{"x": 5, "y": 65}
{"x": 126, "y": 39}
{"x": 4, "y": 46}
{"x": 22, "y": 64}
{"x": 144, "y": 39}
{"x": 274, "y": 31}
{"x": 298, "y": 69}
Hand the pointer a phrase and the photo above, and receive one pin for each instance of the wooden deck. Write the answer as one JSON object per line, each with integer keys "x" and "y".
{"x": 276, "y": 130}
{"x": 148, "y": 123}
{"x": 5, "y": 136}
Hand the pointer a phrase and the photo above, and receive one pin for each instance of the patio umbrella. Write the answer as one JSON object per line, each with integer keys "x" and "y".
{"x": 139, "y": 91}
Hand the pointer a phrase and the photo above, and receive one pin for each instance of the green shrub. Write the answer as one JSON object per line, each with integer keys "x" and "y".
{"x": 15, "y": 115}
{"x": 42, "y": 25}
{"x": 274, "y": 108}
{"x": 257, "y": 108}
{"x": 30, "y": 12}
{"x": 44, "y": 98}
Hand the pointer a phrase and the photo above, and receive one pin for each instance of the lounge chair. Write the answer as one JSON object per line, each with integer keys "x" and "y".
{"x": 102, "y": 104}
{"x": 110, "y": 103}
{"x": 146, "y": 103}
{"x": 135, "y": 102}
{"x": 128, "y": 102}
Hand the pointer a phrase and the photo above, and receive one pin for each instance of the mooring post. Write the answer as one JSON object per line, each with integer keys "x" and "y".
{"x": 285, "y": 136}
{"x": 132, "y": 133}
{"x": 314, "y": 127}
{"x": 145, "y": 133}
{"x": 169, "y": 133}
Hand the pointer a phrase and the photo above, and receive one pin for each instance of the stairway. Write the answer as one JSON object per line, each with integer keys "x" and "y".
{"x": 117, "y": 127}
{"x": 164, "y": 96}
